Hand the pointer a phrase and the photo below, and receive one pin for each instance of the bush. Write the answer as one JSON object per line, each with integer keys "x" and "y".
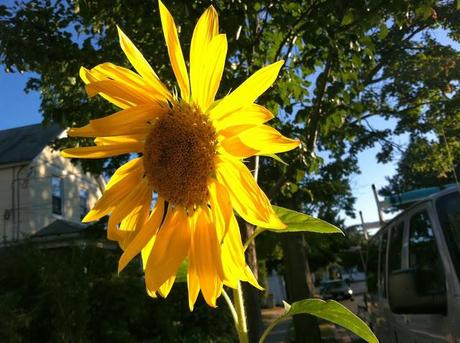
{"x": 74, "y": 295}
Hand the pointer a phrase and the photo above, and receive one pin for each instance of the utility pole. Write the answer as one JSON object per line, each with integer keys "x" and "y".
{"x": 363, "y": 225}
{"x": 379, "y": 209}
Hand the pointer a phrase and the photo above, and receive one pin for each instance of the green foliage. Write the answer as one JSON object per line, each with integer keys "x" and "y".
{"x": 346, "y": 62}
{"x": 329, "y": 310}
{"x": 296, "y": 222}
{"x": 300, "y": 222}
{"x": 73, "y": 295}
{"x": 439, "y": 166}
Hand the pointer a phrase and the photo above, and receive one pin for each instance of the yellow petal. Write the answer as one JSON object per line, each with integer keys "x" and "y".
{"x": 130, "y": 170}
{"x": 129, "y": 121}
{"x": 207, "y": 257}
{"x": 121, "y": 183}
{"x": 206, "y": 29}
{"x": 116, "y": 235}
{"x": 111, "y": 89}
{"x": 233, "y": 131}
{"x": 252, "y": 279}
{"x": 103, "y": 150}
{"x": 246, "y": 196}
{"x": 131, "y": 205}
{"x": 121, "y": 79}
{"x": 221, "y": 208}
{"x": 130, "y": 78}
{"x": 145, "y": 253}
{"x": 206, "y": 83}
{"x": 136, "y": 219}
{"x": 166, "y": 287}
{"x": 193, "y": 285}
{"x": 90, "y": 131}
{"x": 233, "y": 259}
{"x": 263, "y": 139}
{"x": 117, "y": 140}
{"x": 140, "y": 64}
{"x": 148, "y": 230}
{"x": 118, "y": 99}
{"x": 235, "y": 148}
{"x": 247, "y": 92}
{"x": 169, "y": 250}
{"x": 175, "y": 51}
{"x": 193, "y": 282}
{"x": 250, "y": 115}
{"x": 151, "y": 294}
{"x": 267, "y": 140}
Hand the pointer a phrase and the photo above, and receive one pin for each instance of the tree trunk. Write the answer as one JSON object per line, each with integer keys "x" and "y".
{"x": 299, "y": 286}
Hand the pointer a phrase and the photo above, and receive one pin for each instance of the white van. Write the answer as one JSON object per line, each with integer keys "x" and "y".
{"x": 413, "y": 271}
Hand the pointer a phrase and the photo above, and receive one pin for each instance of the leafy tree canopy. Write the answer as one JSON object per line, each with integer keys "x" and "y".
{"x": 346, "y": 62}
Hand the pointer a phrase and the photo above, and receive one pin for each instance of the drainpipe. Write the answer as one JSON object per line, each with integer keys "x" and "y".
{"x": 16, "y": 202}
{"x": 18, "y": 219}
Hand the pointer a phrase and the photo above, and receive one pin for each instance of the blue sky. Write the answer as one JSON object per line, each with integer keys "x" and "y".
{"x": 17, "y": 107}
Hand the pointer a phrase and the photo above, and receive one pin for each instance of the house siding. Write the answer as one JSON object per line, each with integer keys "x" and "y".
{"x": 35, "y": 197}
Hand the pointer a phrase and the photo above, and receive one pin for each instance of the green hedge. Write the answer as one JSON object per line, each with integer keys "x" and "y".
{"x": 75, "y": 295}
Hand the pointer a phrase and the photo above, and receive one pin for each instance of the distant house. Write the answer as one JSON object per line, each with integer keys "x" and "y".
{"x": 37, "y": 186}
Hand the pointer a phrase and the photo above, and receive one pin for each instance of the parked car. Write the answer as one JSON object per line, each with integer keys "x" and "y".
{"x": 413, "y": 271}
{"x": 336, "y": 289}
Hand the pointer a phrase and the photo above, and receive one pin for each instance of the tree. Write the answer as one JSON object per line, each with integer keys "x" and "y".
{"x": 439, "y": 166}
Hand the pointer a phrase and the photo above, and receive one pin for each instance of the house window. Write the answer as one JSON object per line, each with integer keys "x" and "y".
{"x": 57, "y": 194}
{"x": 83, "y": 203}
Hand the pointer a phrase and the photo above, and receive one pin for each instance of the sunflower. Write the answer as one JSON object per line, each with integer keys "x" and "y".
{"x": 191, "y": 150}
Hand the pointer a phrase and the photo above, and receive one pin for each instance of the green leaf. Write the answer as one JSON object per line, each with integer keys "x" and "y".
{"x": 299, "y": 175}
{"x": 181, "y": 275}
{"x": 348, "y": 18}
{"x": 383, "y": 31}
{"x": 300, "y": 222}
{"x": 328, "y": 310}
{"x": 296, "y": 222}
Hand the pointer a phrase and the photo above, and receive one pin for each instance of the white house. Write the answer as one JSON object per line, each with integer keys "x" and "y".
{"x": 37, "y": 186}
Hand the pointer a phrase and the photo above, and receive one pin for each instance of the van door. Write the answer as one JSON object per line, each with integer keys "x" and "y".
{"x": 376, "y": 288}
{"x": 397, "y": 261}
{"x": 428, "y": 321}
{"x": 448, "y": 214}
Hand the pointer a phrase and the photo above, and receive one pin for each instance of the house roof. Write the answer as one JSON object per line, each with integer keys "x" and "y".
{"x": 60, "y": 227}
{"x": 22, "y": 144}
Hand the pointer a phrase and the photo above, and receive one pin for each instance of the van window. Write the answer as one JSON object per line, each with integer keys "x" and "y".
{"x": 448, "y": 208}
{"x": 424, "y": 255}
{"x": 382, "y": 264}
{"x": 372, "y": 265}
{"x": 395, "y": 248}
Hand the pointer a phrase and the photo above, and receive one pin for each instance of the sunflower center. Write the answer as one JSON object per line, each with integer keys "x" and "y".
{"x": 179, "y": 155}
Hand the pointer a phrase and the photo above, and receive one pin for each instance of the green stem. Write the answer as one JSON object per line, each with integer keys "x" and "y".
{"x": 231, "y": 307}
{"x": 241, "y": 327}
{"x": 270, "y": 328}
